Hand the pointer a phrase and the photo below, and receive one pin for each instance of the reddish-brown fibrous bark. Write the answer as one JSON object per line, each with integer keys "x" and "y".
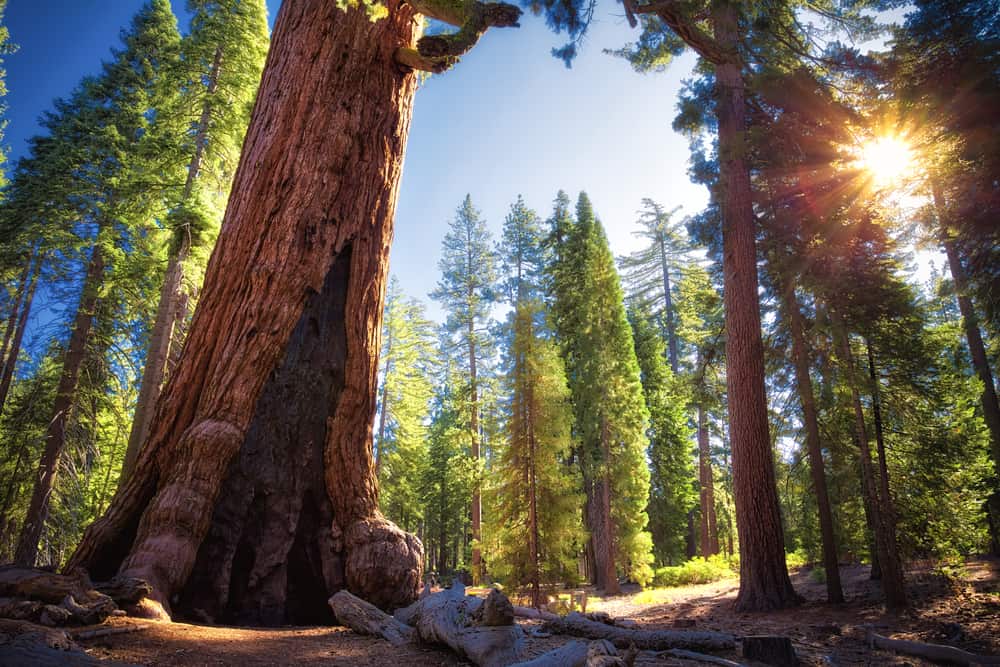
{"x": 300, "y": 265}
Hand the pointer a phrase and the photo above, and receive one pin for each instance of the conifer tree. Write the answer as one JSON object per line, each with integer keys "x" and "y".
{"x": 202, "y": 130}
{"x": 671, "y": 492}
{"x": 404, "y": 402}
{"x": 610, "y": 414}
{"x": 108, "y": 121}
{"x": 466, "y": 290}
{"x": 650, "y": 273}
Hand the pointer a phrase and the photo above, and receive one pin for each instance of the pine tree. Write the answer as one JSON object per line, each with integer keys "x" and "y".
{"x": 650, "y": 272}
{"x": 404, "y": 403}
{"x": 109, "y": 119}
{"x": 671, "y": 493}
{"x": 610, "y": 414}
{"x": 538, "y": 495}
{"x": 202, "y": 130}
{"x": 466, "y": 290}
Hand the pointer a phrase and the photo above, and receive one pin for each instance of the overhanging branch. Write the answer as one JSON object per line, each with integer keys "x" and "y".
{"x": 437, "y": 53}
{"x": 671, "y": 13}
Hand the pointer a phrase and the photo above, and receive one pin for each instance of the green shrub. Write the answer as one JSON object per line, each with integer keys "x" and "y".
{"x": 796, "y": 559}
{"x": 695, "y": 571}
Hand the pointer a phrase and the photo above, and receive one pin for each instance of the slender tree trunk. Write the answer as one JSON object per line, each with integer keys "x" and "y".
{"x": 55, "y": 437}
{"x": 298, "y": 273}
{"x": 22, "y": 325}
{"x": 669, "y": 305}
{"x": 810, "y": 417}
{"x": 977, "y": 352}
{"x": 533, "y": 537}
{"x": 885, "y": 496}
{"x": 172, "y": 303}
{"x": 383, "y": 407}
{"x": 893, "y": 585}
{"x": 764, "y": 582}
{"x": 15, "y": 306}
{"x": 477, "y": 501}
{"x": 709, "y": 529}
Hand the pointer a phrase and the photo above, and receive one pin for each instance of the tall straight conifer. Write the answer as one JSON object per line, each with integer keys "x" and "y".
{"x": 466, "y": 290}
{"x": 610, "y": 413}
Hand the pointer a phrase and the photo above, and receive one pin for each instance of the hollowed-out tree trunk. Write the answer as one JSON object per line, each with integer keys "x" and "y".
{"x": 255, "y": 497}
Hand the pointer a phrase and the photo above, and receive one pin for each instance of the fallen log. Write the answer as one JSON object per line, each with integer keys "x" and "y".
{"x": 94, "y": 633}
{"x": 700, "y": 657}
{"x": 933, "y": 652}
{"x": 535, "y": 614}
{"x": 653, "y": 640}
{"x": 367, "y": 619}
{"x": 19, "y": 610}
{"x": 52, "y": 588}
{"x": 24, "y": 643}
{"x": 124, "y": 590}
{"x": 448, "y": 618}
{"x": 577, "y": 653}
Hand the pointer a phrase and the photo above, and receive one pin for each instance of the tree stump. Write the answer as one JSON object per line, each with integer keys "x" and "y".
{"x": 771, "y": 650}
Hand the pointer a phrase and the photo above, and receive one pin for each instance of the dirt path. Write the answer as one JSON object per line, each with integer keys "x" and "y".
{"x": 963, "y": 612}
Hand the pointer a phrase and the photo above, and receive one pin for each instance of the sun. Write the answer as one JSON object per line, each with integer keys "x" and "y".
{"x": 886, "y": 158}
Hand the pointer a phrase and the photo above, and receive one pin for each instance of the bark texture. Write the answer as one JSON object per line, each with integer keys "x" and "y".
{"x": 764, "y": 582}
{"x": 300, "y": 265}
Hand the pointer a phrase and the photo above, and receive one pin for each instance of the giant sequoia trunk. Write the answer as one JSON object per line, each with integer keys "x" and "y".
{"x": 764, "y": 582}
{"x": 254, "y": 497}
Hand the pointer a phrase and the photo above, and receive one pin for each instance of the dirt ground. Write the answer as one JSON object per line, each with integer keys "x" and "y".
{"x": 962, "y": 611}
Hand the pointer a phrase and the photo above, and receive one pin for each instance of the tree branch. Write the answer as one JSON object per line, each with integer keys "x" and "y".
{"x": 685, "y": 27}
{"x": 437, "y": 53}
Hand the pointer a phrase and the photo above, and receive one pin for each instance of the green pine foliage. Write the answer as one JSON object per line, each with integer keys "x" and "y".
{"x": 401, "y": 441}
{"x": 672, "y": 493}
{"x": 596, "y": 341}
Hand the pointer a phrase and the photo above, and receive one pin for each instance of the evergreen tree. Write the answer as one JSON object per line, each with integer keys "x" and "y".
{"x": 650, "y": 273}
{"x": 108, "y": 121}
{"x": 466, "y": 290}
{"x": 404, "y": 403}
{"x": 538, "y": 494}
{"x": 610, "y": 414}
{"x": 671, "y": 492}
{"x": 201, "y": 131}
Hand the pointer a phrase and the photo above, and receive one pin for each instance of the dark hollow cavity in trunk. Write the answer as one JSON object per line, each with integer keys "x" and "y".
{"x": 270, "y": 556}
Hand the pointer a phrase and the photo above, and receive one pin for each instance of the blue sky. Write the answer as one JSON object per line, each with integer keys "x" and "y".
{"x": 509, "y": 119}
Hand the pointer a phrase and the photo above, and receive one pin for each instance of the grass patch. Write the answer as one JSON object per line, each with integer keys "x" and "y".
{"x": 653, "y": 596}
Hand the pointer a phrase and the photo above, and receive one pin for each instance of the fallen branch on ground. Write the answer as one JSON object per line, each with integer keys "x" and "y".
{"x": 654, "y": 640}
{"x": 367, "y": 619}
{"x": 107, "y": 631}
{"x": 700, "y": 657}
{"x": 933, "y": 652}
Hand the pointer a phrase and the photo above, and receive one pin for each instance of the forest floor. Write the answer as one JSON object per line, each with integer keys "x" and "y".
{"x": 960, "y": 607}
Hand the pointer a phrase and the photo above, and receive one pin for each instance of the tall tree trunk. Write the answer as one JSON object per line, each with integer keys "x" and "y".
{"x": 885, "y": 496}
{"x": 810, "y": 417}
{"x": 977, "y": 352}
{"x": 300, "y": 264}
{"x": 55, "y": 435}
{"x": 709, "y": 529}
{"x": 604, "y": 542}
{"x": 15, "y": 306}
{"x": 383, "y": 408}
{"x": 893, "y": 585}
{"x": 172, "y": 304}
{"x": 477, "y": 501}
{"x": 668, "y": 305}
{"x": 10, "y": 361}
{"x": 533, "y": 537}
{"x": 764, "y": 582}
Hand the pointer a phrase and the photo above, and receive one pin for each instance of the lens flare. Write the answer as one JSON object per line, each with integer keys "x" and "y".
{"x": 887, "y": 159}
